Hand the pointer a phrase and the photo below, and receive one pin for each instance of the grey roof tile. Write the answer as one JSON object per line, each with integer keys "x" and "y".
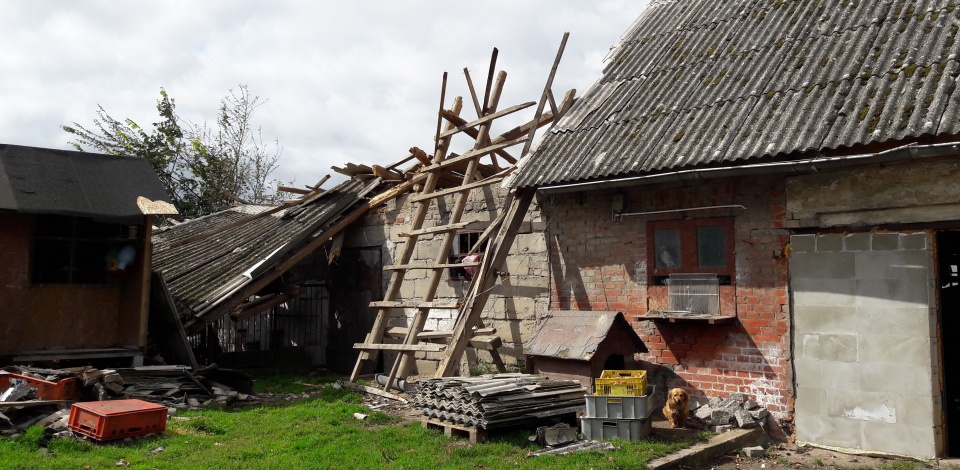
{"x": 703, "y": 82}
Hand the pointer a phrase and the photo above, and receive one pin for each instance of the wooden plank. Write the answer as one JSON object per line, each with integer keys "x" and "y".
{"x": 386, "y": 174}
{"x": 487, "y": 343}
{"x": 398, "y": 331}
{"x": 546, "y": 89}
{"x": 31, "y": 403}
{"x": 439, "y": 304}
{"x": 370, "y": 390}
{"x": 420, "y": 155}
{"x": 478, "y": 184}
{"x": 474, "y": 154}
{"x": 320, "y": 183}
{"x": 336, "y": 246}
{"x": 443, "y": 95}
{"x": 437, "y": 229}
{"x": 458, "y": 121}
{"x": 288, "y": 189}
{"x": 429, "y": 347}
{"x": 473, "y": 93}
{"x": 487, "y": 118}
{"x": 396, "y": 267}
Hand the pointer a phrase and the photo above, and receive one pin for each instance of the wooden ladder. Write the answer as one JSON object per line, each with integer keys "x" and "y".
{"x": 414, "y": 338}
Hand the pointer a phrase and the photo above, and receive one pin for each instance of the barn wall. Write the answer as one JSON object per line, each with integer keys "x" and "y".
{"x": 516, "y": 302}
{"x": 599, "y": 264}
{"x": 54, "y": 316}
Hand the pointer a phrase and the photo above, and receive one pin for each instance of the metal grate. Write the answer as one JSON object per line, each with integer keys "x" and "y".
{"x": 694, "y": 294}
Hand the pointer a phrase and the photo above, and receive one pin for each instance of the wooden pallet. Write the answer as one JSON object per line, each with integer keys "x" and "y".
{"x": 476, "y": 435}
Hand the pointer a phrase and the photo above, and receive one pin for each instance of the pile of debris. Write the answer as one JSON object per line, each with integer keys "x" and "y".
{"x": 499, "y": 400}
{"x": 737, "y": 410}
{"x": 35, "y": 396}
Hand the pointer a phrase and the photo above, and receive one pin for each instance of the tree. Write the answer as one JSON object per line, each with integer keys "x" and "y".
{"x": 204, "y": 169}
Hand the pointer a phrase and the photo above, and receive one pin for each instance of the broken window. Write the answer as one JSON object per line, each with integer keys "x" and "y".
{"x": 73, "y": 250}
{"x": 691, "y": 246}
{"x": 462, "y": 246}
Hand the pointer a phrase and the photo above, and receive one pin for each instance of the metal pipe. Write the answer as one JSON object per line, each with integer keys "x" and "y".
{"x": 669, "y": 211}
{"x": 905, "y": 152}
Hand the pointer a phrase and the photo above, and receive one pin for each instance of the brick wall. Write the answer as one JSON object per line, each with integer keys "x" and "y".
{"x": 599, "y": 264}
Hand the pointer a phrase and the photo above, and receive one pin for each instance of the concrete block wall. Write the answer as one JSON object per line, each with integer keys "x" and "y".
{"x": 865, "y": 341}
{"x": 520, "y": 297}
{"x": 599, "y": 264}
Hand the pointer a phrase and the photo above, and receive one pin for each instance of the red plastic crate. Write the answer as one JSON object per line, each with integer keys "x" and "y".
{"x": 117, "y": 419}
{"x": 64, "y": 389}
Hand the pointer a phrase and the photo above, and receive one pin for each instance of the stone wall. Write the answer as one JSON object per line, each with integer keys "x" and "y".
{"x": 599, "y": 264}
{"x": 517, "y": 301}
{"x": 865, "y": 334}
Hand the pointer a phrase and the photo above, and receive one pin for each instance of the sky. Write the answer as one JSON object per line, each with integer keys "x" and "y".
{"x": 339, "y": 82}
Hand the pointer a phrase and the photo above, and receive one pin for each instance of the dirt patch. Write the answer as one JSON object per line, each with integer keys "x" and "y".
{"x": 789, "y": 456}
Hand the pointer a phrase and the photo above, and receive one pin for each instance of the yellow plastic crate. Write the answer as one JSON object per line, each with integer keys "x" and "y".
{"x": 625, "y": 383}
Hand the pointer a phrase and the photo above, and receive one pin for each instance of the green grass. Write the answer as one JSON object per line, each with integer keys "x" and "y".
{"x": 320, "y": 432}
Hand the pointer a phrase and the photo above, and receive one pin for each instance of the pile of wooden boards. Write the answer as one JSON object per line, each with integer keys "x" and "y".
{"x": 494, "y": 401}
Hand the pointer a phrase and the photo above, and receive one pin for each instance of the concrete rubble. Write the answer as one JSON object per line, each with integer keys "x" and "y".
{"x": 735, "y": 411}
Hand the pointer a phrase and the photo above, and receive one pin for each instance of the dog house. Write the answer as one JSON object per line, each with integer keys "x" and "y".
{"x": 579, "y": 345}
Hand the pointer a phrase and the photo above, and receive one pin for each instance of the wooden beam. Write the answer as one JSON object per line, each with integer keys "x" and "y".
{"x": 320, "y": 183}
{"x": 473, "y": 92}
{"x": 487, "y": 118}
{"x": 244, "y": 313}
{"x": 420, "y": 155}
{"x": 490, "y": 71}
{"x": 288, "y": 189}
{"x": 553, "y": 103}
{"x": 443, "y": 94}
{"x": 567, "y": 102}
{"x": 458, "y": 121}
{"x": 430, "y": 347}
{"x": 546, "y": 89}
{"x": 396, "y": 267}
{"x": 472, "y": 154}
{"x": 399, "y": 331}
{"x": 440, "y": 304}
{"x": 336, "y": 247}
{"x": 477, "y": 184}
{"x": 386, "y": 174}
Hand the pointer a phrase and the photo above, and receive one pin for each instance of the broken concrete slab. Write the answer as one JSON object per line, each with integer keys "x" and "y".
{"x": 744, "y": 419}
{"x": 706, "y": 452}
{"x": 754, "y": 452}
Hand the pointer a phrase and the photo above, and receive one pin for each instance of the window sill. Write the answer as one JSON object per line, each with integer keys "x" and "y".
{"x": 684, "y": 317}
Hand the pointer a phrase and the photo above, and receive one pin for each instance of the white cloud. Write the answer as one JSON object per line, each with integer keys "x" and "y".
{"x": 357, "y": 82}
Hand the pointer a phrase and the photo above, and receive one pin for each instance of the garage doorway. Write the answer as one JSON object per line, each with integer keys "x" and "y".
{"x": 948, "y": 283}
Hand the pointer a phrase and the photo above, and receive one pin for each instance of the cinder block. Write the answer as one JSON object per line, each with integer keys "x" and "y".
{"x": 744, "y": 419}
{"x": 823, "y": 265}
{"x": 829, "y": 242}
{"x": 886, "y": 241}
{"x": 720, "y": 417}
{"x": 823, "y": 347}
{"x": 856, "y": 242}
{"x": 914, "y": 241}
{"x": 803, "y": 243}
{"x": 824, "y": 292}
{"x": 894, "y": 293}
{"x": 911, "y": 264}
{"x": 754, "y": 452}
{"x": 839, "y": 377}
{"x": 917, "y": 441}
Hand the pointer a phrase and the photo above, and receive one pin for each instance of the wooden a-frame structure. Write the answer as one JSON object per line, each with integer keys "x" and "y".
{"x": 468, "y": 330}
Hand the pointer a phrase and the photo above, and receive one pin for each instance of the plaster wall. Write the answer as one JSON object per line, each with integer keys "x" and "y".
{"x": 520, "y": 297}
{"x": 865, "y": 341}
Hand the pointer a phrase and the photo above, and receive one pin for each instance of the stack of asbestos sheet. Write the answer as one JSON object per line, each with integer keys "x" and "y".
{"x": 493, "y": 401}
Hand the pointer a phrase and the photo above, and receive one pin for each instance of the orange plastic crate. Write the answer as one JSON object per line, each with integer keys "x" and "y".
{"x": 625, "y": 383}
{"x": 117, "y": 419}
{"x": 64, "y": 389}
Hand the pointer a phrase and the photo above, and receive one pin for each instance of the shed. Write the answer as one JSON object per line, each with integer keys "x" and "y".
{"x": 579, "y": 345}
{"x": 62, "y": 215}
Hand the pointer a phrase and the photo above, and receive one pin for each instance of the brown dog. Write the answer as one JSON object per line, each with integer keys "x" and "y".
{"x": 676, "y": 408}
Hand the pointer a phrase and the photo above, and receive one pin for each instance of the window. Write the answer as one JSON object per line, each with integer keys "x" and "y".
{"x": 73, "y": 250}
{"x": 462, "y": 245}
{"x": 691, "y": 246}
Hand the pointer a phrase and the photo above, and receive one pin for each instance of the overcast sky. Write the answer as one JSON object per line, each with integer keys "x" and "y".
{"x": 343, "y": 81}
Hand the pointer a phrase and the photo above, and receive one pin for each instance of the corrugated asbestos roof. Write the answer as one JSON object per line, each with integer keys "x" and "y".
{"x": 572, "y": 334}
{"x": 707, "y": 82}
{"x": 48, "y": 181}
{"x": 202, "y": 272}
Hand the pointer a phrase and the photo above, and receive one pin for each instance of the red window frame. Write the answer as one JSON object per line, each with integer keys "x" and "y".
{"x": 689, "y": 256}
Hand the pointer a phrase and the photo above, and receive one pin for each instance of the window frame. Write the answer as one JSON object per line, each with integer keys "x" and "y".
{"x": 689, "y": 249}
